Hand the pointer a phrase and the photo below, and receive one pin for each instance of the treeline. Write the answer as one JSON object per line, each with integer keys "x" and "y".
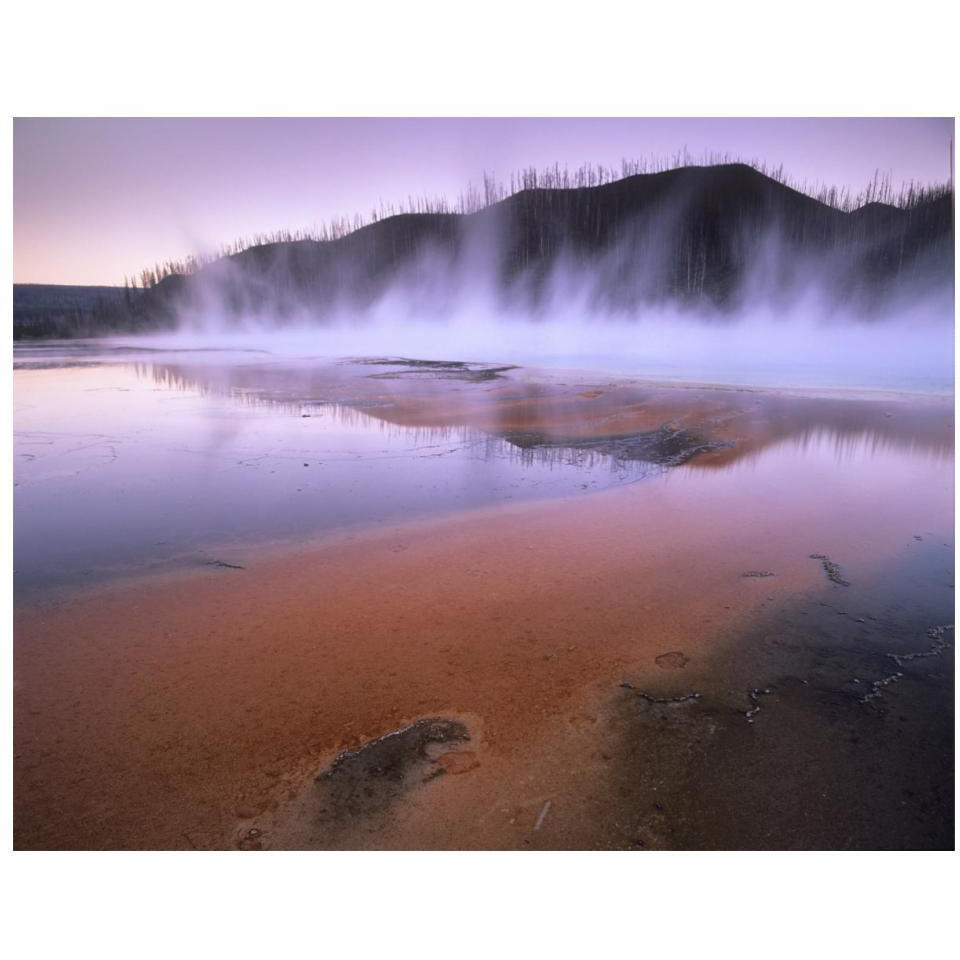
{"x": 684, "y": 234}
{"x": 60, "y": 311}
{"x": 702, "y": 234}
{"x": 493, "y": 191}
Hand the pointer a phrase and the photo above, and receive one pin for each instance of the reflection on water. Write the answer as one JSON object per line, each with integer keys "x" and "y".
{"x": 866, "y": 448}
{"x": 127, "y": 460}
{"x": 857, "y": 445}
{"x": 118, "y": 470}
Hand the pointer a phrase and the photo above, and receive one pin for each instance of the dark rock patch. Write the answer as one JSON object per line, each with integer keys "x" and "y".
{"x": 368, "y": 779}
{"x": 831, "y": 569}
{"x": 667, "y": 446}
{"x": 435, "y": 369}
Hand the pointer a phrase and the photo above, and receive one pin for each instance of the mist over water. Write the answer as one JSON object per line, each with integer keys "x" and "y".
{"x": 803, "y": 345}
{"x": 715, "y": 273}
{"x": 657, "y": 295}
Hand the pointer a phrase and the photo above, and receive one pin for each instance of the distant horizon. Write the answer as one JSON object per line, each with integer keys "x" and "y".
{"x": 97, "y": 200}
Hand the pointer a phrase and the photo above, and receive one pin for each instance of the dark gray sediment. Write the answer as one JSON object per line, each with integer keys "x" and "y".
{"x": 666, "y": 446}
{"x": 848, "y": 744}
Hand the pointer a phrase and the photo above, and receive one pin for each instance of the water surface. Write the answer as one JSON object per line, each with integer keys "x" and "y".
{"x": 127, "y": 463}
{"x": 129, "y": 459}
{"x": 625, "y": 598}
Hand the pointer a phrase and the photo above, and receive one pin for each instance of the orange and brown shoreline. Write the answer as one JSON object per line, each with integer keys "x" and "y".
{"x": 601, "y": 652}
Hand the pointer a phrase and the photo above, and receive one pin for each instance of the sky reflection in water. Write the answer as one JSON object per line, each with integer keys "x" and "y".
{"x": 136, "y": 463}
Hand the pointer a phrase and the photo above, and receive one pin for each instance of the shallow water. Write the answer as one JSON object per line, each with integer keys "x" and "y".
{"x": 129, "y": 460}
{"x": 651, "y": 665}
{"x": 775, "y": 350}
{"x": 124, "y": 464}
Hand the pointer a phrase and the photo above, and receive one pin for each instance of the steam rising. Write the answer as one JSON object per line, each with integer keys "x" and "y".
{"x": 731, "y": 280}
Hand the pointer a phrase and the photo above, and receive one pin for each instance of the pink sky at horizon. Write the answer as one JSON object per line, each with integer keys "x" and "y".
{"x": 98, "y": 199}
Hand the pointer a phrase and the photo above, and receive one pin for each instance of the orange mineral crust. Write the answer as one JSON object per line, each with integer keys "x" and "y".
{"x": 196, "y": 709}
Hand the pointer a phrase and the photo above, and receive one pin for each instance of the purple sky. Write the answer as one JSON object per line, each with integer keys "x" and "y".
{"x": 95, "y": 200}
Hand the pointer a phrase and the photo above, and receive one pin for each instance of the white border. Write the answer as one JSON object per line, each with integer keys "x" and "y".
{"x": 418, "y": 58}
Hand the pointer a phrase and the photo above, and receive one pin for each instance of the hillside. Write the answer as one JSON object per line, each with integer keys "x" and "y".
{"x": 710, "y": 236}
